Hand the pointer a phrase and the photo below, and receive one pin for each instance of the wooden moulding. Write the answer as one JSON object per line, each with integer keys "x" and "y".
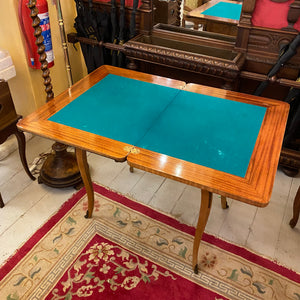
{"x": 290, "y": 158}
{"x": 187, "y": 51}
{"x": 263, "y": 44}
{"x": 207, "y": 38}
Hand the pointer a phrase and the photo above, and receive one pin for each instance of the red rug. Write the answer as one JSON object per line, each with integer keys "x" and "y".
{"x": 130, "y": 251}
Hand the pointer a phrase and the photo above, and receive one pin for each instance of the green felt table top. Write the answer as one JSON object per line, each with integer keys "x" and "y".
{"x": 213, "y": 132}
{"x": 224, "y": 10}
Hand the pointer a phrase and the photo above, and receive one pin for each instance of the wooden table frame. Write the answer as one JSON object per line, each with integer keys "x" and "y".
{"x": 255, "y": 188}
{"x": 211, "y": 23}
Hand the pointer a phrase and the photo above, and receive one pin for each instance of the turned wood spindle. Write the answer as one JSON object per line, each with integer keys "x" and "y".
{"x": 41, "y": 48}
{"x": 60, "y": 169}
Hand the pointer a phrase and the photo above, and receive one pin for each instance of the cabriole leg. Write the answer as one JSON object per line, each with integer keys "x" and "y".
{"x": 206, "y": 199}
{"x": 86, "y": 178}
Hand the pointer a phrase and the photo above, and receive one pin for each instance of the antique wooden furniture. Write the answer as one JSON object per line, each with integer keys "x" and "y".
{"x": 290, "y": 161}
{"x": 60, "y": 168}
{"x": 259, "y": 46}
{"x": 177, "y": 49}
{"x": 262, "y": 41}
{"x": 296, "y": 209}
{"x": 166, "y": 133}
{"x": 8, "y": 126}
{"x": 201, "y": 57}
{"x": 262, "y": 36}
{"x": 166, "y": 12}
{"x": 220, "y": 16}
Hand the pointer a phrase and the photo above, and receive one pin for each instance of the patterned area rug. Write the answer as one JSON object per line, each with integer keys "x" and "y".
{"x": 130, "y": 251}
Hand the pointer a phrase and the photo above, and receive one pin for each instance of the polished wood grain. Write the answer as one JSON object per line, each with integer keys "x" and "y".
{"x": 224, "y": 203}
{"x": 86, "y": 178}
{"x": 206, "y": 201}
{"x": 255, "y": 188}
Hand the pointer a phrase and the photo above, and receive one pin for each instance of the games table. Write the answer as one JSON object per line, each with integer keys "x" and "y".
{"x": 220, "y": 16}
{"x": 220, "y": 141}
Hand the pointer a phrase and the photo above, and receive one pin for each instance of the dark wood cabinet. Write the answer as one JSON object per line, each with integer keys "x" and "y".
{"x": 166, "y": 11}
{"x": 8, "y": 126}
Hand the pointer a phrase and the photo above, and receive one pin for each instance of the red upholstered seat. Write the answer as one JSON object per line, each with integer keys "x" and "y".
{"x": 272, "y": 14}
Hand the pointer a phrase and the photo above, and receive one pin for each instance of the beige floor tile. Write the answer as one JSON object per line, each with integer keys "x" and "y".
{"x": 236, "y": 226}
{"x": 288, "y": 246}
{"x": 265, "y": 229}
{"x": 126, "y": 180}
{"x": 15, "y": 185}
{"x": 268, "y": 220}
{"x": 217, "y": 216}
{"x": 104, "y": 170}
{"x": 20, "y": 204}
{"x": 32, "y": 219}
{"x": 187, "y": 207}
{"x": 146, "y": 187}
{"x": 166, "y": 197}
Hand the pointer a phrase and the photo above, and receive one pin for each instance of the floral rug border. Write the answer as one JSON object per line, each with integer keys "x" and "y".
{"x": 168, "y": 260}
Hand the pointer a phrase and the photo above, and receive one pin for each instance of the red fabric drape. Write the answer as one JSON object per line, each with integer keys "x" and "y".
{"x": 272, "y": 14}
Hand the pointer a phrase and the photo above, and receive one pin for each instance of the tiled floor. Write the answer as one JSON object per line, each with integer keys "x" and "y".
{"x": 263, "y": 230}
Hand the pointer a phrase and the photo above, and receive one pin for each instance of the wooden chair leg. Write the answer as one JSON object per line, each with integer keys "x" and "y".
{"x": 86, "y": 178}
{"x": 1, "y": 201}
{"x": 224, "y": 203}
{"x": 206, "y": 200}
{"x": 21, "y": 144}
{"x": 296, "y": 209}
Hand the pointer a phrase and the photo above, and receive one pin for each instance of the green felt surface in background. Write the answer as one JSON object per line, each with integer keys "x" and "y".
{"x": 224, "y": 10}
